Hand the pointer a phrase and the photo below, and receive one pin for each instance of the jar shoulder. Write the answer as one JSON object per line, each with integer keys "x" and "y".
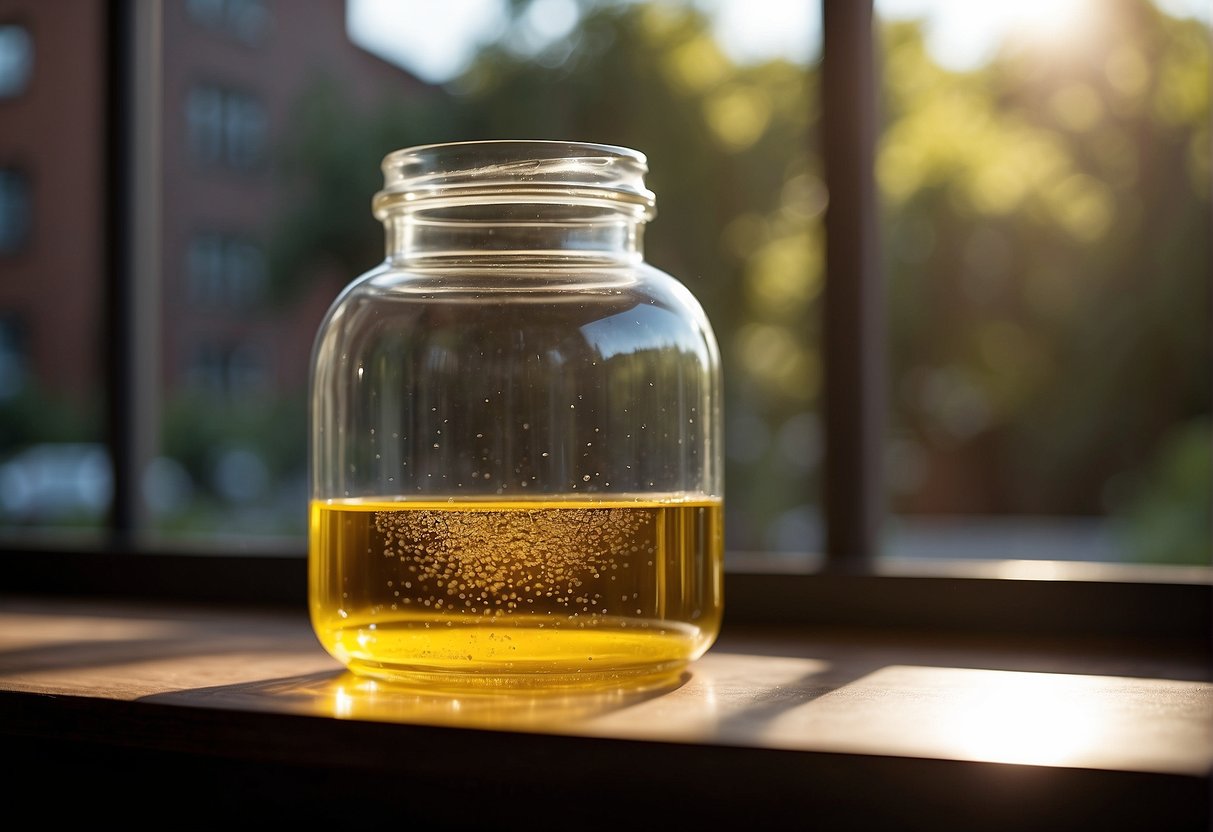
{"x": 633, "y": 302}
{"x": 517, "y": 284}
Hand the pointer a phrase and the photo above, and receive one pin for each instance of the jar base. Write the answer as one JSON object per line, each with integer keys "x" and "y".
{"x": 499, "y": 655}
{"x": 634, "y": 680}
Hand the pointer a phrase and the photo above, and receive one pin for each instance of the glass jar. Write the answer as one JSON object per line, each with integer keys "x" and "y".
{"x": 516, "y": 456}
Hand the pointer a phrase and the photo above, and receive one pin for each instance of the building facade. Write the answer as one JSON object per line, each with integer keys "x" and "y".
{"x": 232, "y": 72}
{"x": 52, "y": 176}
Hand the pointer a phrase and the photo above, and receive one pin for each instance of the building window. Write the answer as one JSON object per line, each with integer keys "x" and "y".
{"x": 224, "y": 271}
{"x": 204, "y": 117}
{"x": 225, "y": 127}
{"x": 206, "y": 12}
{"x": 16, "y": 59}
{"x": 231, "y": 370}
{"x": 14, "y": 358}
{"x": 246, "y": 20}
{"x": 14, "y": 210}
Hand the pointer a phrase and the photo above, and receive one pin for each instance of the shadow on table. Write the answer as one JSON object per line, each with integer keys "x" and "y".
{"x": 343, "y": 695}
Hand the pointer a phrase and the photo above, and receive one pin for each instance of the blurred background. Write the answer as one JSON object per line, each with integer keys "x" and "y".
{"x": 1044, "y": 174}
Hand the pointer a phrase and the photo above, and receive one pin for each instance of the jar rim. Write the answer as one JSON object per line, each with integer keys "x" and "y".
{"x": 513, "y": 171}
{"x": 605, "y": 149}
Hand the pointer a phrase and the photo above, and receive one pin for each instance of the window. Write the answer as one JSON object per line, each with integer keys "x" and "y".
{"x": 205, "y": 271}
{"x": 15, "y": 210}
{"x": 14, "y": 358}
{"x": 204, "y": 114}
{"x": 248, "y": 271}
{"x": 224, "y": 271}
{"x": 206, "y": 12}
{"x": 1046, "y": 218}
{"x": 246, "y": 20}
{"x": 230, "y": 370}
{"x": 226, "y": 128}
{"x": 718, "y": 99}
{"x": 16, "y": 59}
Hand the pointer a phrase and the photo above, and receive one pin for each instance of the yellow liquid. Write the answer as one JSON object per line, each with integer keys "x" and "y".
{"x": 539, "y": 593}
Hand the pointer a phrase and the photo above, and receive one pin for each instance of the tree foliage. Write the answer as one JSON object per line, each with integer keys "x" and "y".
{"x": 1046, "y": 225}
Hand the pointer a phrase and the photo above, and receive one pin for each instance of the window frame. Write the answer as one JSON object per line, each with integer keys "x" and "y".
{"x": 850, "y": 589}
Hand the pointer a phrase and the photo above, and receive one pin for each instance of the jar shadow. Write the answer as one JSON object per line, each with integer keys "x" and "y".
{"x": 356, "y": 697}
{"x": 346, "y": 695}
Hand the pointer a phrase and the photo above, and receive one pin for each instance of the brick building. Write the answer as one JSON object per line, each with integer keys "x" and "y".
{"x": 231, "y": 72}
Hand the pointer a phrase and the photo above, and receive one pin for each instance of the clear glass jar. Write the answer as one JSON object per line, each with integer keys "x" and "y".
{"x": 516, "y": 455}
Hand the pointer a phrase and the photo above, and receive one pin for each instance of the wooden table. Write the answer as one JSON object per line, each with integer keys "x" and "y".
{"x": 239, "y": 713}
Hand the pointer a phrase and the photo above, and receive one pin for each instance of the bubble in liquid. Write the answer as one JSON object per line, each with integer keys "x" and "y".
{"x": 500, "y": 560}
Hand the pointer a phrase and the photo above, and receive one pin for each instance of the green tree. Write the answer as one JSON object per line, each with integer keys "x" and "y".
{"x": 739, "y": 200}
{"x": 1046, "y": 221}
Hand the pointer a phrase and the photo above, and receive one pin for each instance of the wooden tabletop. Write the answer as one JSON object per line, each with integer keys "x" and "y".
{"x": 1093, "y": 706}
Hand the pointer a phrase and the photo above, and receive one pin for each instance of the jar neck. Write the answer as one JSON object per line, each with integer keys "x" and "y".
{"x": 514, "y": 232}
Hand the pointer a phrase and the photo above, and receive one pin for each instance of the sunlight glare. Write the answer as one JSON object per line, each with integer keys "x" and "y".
{"x": 1037, "y": 718}
{"x": 1043, "y": 19}
{"x": 434, "y": 39}
{"x": 343, "y": 703}
{"x": 963, "y": 35}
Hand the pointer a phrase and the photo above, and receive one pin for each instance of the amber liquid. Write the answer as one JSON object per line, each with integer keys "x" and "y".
{"x": 525, "y": 592}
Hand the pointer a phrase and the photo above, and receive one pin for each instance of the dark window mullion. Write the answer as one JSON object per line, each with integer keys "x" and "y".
{"x": 132, "y": 231}
{"x": 854, "y": 325}
{"x": 118, "y": 258}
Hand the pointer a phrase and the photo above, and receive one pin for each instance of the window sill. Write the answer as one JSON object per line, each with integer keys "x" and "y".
{"x": 241, "y": 712}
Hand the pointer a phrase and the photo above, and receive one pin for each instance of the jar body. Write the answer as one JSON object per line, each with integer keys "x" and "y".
{"x": 515, "y": 473}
